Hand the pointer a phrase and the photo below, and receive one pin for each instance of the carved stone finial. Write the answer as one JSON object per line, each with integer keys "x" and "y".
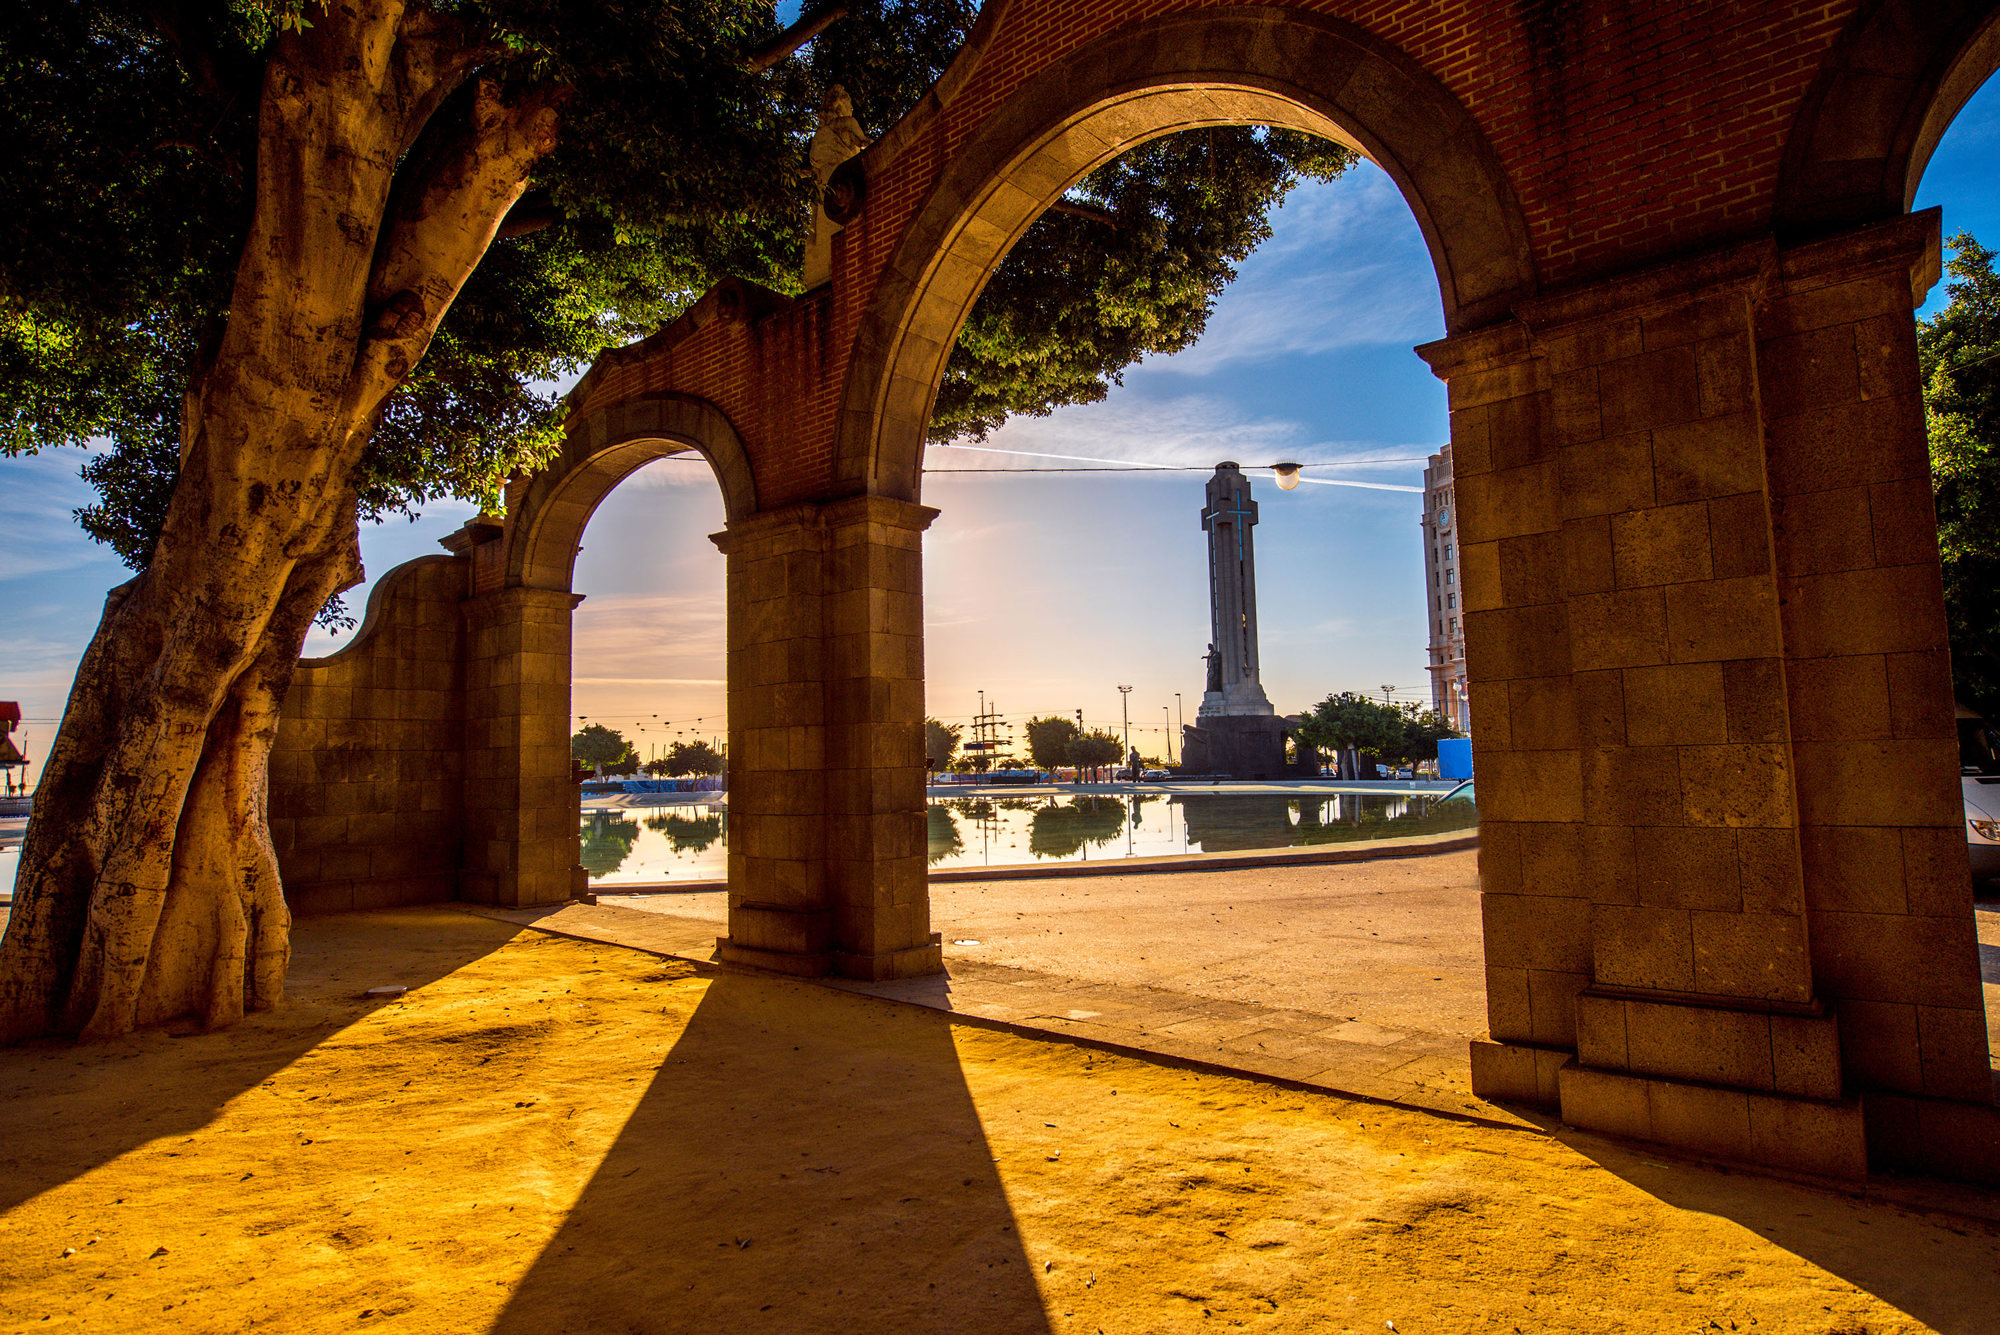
{"x": 838, "y": 139}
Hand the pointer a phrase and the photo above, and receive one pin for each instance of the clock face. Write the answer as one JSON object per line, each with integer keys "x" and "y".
{"x": 1444, "y": 518}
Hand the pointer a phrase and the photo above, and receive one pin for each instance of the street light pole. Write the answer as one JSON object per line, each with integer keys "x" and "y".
{"x": 1170, "y": 732}
{"x": 1125, "y": 711}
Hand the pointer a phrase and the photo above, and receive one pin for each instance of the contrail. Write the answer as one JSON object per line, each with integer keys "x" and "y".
{"x": 1185, "y": 468}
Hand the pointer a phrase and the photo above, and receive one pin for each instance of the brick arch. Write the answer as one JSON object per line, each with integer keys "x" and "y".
{"x": 1221, "y": 67}
{"x": 1885, "y": 95}
{"x": 547, "y": 515}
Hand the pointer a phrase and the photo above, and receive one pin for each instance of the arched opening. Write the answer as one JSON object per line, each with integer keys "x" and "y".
{"x": 1184, "y": 75}
{"x": 1958, "y": 338}
{"x": 647, "y": 705}
{"x": 1318, "y": 77}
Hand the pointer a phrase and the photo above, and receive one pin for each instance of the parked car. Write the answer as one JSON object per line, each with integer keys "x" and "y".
{"x": 1979, "y": 776}
{"x": 1155, "y": 774}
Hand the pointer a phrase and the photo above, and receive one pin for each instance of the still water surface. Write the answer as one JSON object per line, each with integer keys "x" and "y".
{"x": 624, "y": 845}
{"x": 637, "y": 844}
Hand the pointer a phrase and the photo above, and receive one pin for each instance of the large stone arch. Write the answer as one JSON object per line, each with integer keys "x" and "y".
{"x": 1223, "y": 67}
{"x": 1887, "y": 92}
{"x": 601, "y": 449}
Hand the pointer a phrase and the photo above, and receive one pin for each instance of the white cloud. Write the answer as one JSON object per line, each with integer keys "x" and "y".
{"x": 38, "y": 530}
{"x": 1355, "y": 247}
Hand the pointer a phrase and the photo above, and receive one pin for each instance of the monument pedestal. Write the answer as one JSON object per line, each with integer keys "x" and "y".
{"x": 1243, "y": 746}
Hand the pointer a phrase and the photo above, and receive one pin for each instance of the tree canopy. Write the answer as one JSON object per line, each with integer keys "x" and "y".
{"x": 122, "y": 250}
{"x": 599, "y": 747}
{"x": 1958, "y": 352}
{"x": 1050, "y": 741}
{"x": 1349, "y": 719}
{"x": 940, "y": 743}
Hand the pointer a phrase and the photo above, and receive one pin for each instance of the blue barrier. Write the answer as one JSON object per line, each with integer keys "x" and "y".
{"x": 1455, "y": 758}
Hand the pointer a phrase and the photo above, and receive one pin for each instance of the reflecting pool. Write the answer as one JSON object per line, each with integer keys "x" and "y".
{"x": 637, "y": 844}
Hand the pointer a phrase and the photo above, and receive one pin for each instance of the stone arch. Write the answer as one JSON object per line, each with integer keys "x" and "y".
{"x": 1885, "y": 95}
{"x": 603, "y": 448}
{"x": 1222, "y": 67}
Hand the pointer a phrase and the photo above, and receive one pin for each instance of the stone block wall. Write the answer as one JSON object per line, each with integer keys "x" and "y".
{"x": 367, "y": 773}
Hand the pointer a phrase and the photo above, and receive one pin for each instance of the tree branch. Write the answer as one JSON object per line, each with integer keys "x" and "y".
{"x": 440, "y": 225}
{"x": 1088, "y": 211}
{"x": 791, "y": 39}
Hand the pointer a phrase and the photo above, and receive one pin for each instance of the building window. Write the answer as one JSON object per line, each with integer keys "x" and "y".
{"x": 1454, "y": 625}
{"x": 1448, "y": 576}
{"x": 1451, "y": 600}
{"x": 1447, "y": 551}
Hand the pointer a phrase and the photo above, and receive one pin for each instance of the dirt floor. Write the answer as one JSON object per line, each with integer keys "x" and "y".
{"x": 548, "y": 1135}
{"x": 1397, "y": 939}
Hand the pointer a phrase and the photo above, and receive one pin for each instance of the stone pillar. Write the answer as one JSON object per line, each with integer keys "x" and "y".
{"x": 1711, "y": 707}
{"x": 1882, "y": 825}
{"x": 827, "y": 863}
{"x": 521, "y": 802}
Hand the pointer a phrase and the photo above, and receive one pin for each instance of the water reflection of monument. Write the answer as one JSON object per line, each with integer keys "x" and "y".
{"x": 1237, "y": 733}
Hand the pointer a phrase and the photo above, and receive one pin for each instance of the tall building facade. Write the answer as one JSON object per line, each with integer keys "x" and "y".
{"x": 1441, "y": 588}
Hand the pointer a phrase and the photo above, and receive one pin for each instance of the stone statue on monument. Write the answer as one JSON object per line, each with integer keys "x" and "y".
{"x": 838, "y": 138}
{"x": 1214, "y": 657}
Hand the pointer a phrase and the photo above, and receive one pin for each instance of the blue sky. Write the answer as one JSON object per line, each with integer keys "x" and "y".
{"x": 1045, "y": 590}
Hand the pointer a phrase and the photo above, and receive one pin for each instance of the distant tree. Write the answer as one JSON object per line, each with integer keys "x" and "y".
{"x": 1050, "y": 740}
{"x": 941, "y": 743}
{"x": 1352, "y": 722}
{"x": 1095, "y": 751}
{"x": 657, "y": 767}
{"x": 1423, "y": 729}
{"x": 685, "y": 758}
{"x": 599, "y": 747}
{"x": 1958, "y": 352}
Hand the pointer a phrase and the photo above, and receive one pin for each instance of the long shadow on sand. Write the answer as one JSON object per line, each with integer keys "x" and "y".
{"x": 1944, "y": 1277}
{"x": 792, "y": 1169}
{"x": 67, "y": 1108}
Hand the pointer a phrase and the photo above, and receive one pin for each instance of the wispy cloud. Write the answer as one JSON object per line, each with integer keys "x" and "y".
{"x": 1329, "y": 241}
{"x": 38, "y": 533}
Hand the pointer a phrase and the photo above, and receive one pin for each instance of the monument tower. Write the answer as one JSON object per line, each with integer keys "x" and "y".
{"x": 1238, "y": 732}
{"x": 1233, "y": 687}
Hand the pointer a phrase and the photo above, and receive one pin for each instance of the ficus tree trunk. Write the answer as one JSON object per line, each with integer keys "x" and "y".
{"x": 147, "y": 888}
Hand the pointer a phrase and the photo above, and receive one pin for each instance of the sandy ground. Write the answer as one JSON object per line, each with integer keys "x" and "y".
{"x": 1396, "y": 940}
{"x": 548, "y": 1135}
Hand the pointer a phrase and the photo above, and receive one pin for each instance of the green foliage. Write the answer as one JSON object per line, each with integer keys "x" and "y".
{"x": 1050, "y": 740}
{"x": 1078, "y": 299}
{"x": 687, "y": 834}
{"x": 940, "y": 743}
{"x": 1423, "y": 729}
{"x": 607, "y": 842}
{"x": 1349, "y": 719}
{"x": 1062, "y": 831}
{"x": 599, "y": 747}
{"x": 944, "y": 838}
{"x": 1958, "y": 353}
{"x": 1096, "y": 749}
{"x": 128, "y": 143}
{"x": 128, "y": 150}
{"x": 686, "y": 758}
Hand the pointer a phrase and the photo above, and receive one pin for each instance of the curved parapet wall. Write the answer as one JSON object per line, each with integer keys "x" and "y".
{"x": 367, "y": 774}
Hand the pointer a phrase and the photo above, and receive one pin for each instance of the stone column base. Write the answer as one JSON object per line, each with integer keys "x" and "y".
{"x": 799, "y": 964}
{"x": 1518, "y": 1072}
{"x": 909, "y": 962}
{"x": 1781, "y": 1131}
{"x": 1936, "y": 1137}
